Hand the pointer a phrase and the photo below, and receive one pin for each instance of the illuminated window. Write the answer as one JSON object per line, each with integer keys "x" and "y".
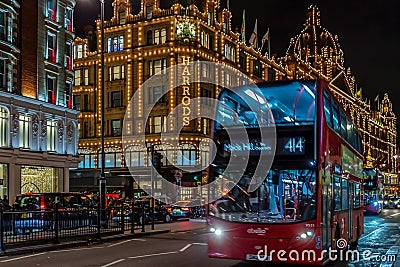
{"x": 160, "y": 36}
{"x": 51, "y": 47}
{"x": 186, "y": 154}
{"x": 87, "y": 158}
{"x": 79, "y": 51}
{"x": 113, "y": 157}
{"x": 51, "y": 135}
{"x": 230, "y": 52}
{"x": 121, "y": 43}
{"x": 3, "y": 26}
{"x": 122, "y": 18}
{"x": 116, "y": 72}
{"x": 116, "y": 127}
{"x": 157, "y": 124}
{"x": 68, "y": 19}
{"x": 24, "y": 123}
{"x": 3, "y": 74}
{"x": 115, "y": 44}
{"x": 109, "y": 45}
{"x": 209, "y": 18}
{"x": 77, "y": 77}
{"x": 205, "y": 39}
{"x": 149, "y": 12}
{"x": 135, "y": 155}
{"x": 86, "y": 76}
{"x": 157, "y": 66}
{"x": 4, "y": 131}
{"x": 51, "y": 89}
{"x": 68, "y": 56}
{"x": 51, "y": 10}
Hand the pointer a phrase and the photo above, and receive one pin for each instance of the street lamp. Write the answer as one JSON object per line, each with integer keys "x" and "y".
{"x": 102, "y": 180}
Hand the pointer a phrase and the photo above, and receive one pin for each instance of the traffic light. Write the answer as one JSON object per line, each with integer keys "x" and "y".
{"x": 157, "y": 157}
{"x": 196, "y": 178}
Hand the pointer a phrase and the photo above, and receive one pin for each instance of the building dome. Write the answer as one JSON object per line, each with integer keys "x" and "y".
{"x": 315, "y": 43}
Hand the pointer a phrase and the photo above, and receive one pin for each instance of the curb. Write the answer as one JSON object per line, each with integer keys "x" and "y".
{"x": 80, "y": 243}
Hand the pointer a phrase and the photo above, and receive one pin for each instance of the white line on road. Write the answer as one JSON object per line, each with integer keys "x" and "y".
{"x": 155, "y": 254}
{"x": 200, "y": 244}
{"x": 122, "y": 242}
{"x": 365, "y": 236}
{"x": 23, "y": 257}
{"x": 185, "y": 247}
{"x": 112, "y": 263}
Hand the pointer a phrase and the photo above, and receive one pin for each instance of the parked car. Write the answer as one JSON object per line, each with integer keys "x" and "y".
{"x": 36, "y": 210}
{"x": 137, "y": 207}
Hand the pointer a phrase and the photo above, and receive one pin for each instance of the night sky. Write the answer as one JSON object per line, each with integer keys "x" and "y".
{"x": 368, "y": 31}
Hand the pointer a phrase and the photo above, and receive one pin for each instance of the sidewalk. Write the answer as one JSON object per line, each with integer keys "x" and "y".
{"x": 159, "y": 228}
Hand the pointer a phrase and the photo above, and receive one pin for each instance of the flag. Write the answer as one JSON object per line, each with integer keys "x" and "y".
{"x": 376, "y": 102}
{"x": 358, "y": 93}
{"x": 254, "y": 38}
{"x": 264, "y": 39}
{"x": 243, "y": 28}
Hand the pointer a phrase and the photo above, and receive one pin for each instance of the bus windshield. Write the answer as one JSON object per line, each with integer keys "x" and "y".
{"x": 287, "y": 192}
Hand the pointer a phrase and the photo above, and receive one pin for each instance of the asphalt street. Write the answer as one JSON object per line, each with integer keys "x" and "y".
{"x": 186, "y": 246}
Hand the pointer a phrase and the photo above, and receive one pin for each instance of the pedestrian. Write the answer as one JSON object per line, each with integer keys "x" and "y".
{"x": 5, "y": 199}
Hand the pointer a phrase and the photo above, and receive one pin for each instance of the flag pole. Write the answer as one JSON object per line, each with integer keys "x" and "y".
{"x": 269, "y": 45}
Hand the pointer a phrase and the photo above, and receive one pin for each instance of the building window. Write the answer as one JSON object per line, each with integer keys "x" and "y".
{"x": 109, "y": 45}
{"x": 85, "y": 102}
{"x": 51, "y": 47}
{"x": 115, "y": 44}
{"x": 51, "y": 135}
{"x": 116, "y": 72}
{"x": 156, "y": 94}
{"x": 116, "y": 99}
{"x": 157, "y": 124}
{"x": 4, "y": 131}
{"x": 186, "y": 154}
{"x": 122, "y": 18}
{"x": 3, "y": 26}
{"x": 116, "y": 127}
{"x": 3, "y": 74}
{"x": 77, "y": 77}
{"x": 113, "y": 157}
{"x": 209, "y": 18}
{"x": 205, "y": 154}
{"x": 135, "y": 156}
{"x": 86, "y": 76}
{"x": 224, "y": 27}
{"x": 157, "y": 66}
{"x": 68, "y": 19}
{"x": 77, "y": 102}
{"x": 230, "y": 52}
{"x": 206, "y": 96}
{"x": 242, "y": 62}
{"x": 85, "y": 132}
{"x": 149, "y": 12}
{"x": 205, "y": 39}
{"x": 121, "y": 43}
{"x": 79, "y": 51}
{"x": 51, "y": 89}
{"x": 68, "y": 56}
{"x": 257, "y": 68}
{"x": 24, "y": 131}
{"x": 206, "y": 126}
{"x": 51, "y": 10}
{"x": 87, "y": 158}
{"x": 149, "y": 37}
{"x": 160, "y": 36}
{"x": 68, "y": 94}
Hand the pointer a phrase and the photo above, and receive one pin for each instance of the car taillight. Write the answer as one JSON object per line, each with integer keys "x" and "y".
{"x": 169, "y": 209}
{"x": 185, "y": 209}
{"x": 42, "y": 203}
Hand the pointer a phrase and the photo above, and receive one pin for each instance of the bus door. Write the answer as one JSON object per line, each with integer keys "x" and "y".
{"x": 351, "y": 208}
{"x": 326, "y": 216}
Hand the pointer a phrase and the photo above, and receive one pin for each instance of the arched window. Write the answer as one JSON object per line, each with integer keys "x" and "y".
{"x": 134, "y": 156}
{"x": 186, "y": 154}
{"x": 4, "y": 126}
{"x": 87, "y": 158}
{"x": 113, "y": 157}
{"x": 167, "y": 152}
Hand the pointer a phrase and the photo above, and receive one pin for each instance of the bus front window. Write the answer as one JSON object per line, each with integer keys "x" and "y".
{"x": 283, "y": 196}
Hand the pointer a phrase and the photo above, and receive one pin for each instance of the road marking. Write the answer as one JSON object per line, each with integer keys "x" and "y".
{"x": 23, "y": 257}
{"x": 72, "y": 249}
{"x": 122, "y": 242}
{"x": 112, "y": 263}
{"x": 185, "y": 248}
{"x": 155, "y": 254}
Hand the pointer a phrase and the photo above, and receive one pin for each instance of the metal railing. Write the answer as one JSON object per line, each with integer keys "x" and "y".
{"x": 27, "y": 228}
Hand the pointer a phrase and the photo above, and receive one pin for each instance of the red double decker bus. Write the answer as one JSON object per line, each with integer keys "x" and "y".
{"x": 311, "y": 194}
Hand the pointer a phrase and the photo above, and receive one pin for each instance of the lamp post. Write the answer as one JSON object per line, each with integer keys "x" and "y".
{"x": 102, "y": 180}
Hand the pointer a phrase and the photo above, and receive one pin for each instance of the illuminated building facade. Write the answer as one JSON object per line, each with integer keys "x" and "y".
{"x": 38, "y": 140}
{"x": 142, "y": 43}
{"x": 314, "y": 53}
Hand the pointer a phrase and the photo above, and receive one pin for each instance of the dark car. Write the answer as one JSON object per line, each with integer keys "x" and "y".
{"x": 140, "y": 210}
{"x": 186, "y": 209}
{"x": 36, "y": 210}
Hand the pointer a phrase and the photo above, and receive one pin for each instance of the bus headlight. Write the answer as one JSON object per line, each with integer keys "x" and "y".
{"x": 305, "y": 235}
{"x": 216, "y": 231}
